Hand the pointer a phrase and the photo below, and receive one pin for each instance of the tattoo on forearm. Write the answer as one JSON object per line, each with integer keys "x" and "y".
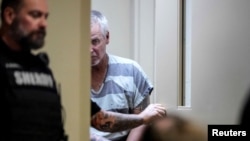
{"x": 113, "y": 122}
{"x": 142, "y": 105}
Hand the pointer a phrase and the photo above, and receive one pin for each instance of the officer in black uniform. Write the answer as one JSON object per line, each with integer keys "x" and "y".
{"x": 30, "y": 105}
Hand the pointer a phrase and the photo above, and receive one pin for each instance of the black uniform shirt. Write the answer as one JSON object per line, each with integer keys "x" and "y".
{"x": 29, "y": 102}
{"x": 94, "y": 108}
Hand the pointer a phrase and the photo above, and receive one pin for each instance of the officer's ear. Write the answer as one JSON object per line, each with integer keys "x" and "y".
{"x": 9, "y": 15}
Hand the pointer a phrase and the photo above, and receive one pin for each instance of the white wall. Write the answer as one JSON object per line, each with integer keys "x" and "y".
{"x": 220, "y": 58}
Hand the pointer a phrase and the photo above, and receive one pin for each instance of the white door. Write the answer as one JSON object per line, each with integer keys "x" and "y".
{"x": 220, "y": 63}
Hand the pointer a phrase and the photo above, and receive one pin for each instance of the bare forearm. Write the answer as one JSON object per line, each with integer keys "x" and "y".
{"x": 136, "y": 134}
{"x": 113, "y": 122}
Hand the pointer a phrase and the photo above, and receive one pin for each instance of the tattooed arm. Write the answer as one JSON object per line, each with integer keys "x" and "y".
{"x": 113, "y": 122}
{"x": 137, "y": 133}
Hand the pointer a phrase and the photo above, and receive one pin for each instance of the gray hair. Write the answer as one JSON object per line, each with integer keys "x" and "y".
{"x": 98, "y": 18}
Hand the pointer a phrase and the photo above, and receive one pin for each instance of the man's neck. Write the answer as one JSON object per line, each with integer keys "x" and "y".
{"x": 98, "y": 73}
{"x": 102, "y": 66}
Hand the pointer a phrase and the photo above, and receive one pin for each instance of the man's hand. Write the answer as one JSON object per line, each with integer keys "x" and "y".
{"x": 153, "y": 112}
